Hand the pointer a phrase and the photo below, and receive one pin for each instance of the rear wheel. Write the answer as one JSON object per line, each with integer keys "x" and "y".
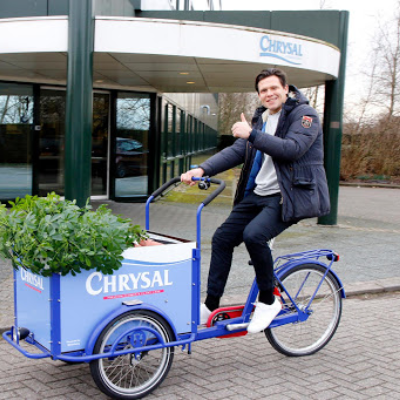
{"x": 134, "y": 375}
{"x": 307, "y": 337}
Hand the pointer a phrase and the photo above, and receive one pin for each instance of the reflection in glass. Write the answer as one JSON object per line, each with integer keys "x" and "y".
{"x": 171, "y": 130}
{"x": 16, "y": 118}
{"x": 178, "y": 134}
{"x": 131, "y": 147}
{"x": 51, "y": 142}
{"x": 100, "y": 144}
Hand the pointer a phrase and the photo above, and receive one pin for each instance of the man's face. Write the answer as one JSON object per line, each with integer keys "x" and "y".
{"x": 272, "y": 94}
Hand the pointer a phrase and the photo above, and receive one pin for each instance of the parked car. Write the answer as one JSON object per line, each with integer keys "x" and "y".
{"x": 131, "y": 158}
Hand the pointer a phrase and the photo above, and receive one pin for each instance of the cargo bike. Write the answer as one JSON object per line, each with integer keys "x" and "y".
{"x": 126, "y": 325}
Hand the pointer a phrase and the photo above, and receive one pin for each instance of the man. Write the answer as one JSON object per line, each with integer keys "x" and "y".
{"x": 282, "y": 181}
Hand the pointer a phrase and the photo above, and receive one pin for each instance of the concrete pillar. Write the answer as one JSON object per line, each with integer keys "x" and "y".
{"x": 333, "y": 124}
{"x": 79, "y": 102}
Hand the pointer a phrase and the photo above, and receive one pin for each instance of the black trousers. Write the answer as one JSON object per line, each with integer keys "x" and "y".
{"x": 254, "y": 221}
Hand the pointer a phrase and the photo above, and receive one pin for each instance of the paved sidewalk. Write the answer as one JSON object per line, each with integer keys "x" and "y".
{"x": 362, "y": 362}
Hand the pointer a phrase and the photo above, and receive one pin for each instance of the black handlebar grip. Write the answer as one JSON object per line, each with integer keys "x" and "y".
{"x": 166, "y": 186}
{"x": 216, "y": 192}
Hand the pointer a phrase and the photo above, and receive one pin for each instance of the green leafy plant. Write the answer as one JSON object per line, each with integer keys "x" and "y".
{"x": 49, "y": 235}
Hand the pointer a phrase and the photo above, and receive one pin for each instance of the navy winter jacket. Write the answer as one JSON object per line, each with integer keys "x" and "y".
{"x": 297, "y": 152}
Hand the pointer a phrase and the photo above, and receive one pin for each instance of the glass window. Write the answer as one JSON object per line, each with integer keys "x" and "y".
{"x": 178, "y": 132}
{"x": 16, "y": 119}
{"x": 131, "y": 144}
{"x": 164, "y": 142}
{"x": 171, "y": 130}
{"x": 189, "y": 130}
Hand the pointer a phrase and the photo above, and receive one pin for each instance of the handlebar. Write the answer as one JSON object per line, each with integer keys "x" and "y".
{"x": 207, "y": 201}
{"x": 177, "y": 179}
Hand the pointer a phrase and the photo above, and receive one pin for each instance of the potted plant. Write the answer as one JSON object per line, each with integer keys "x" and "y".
{"x": 49, "y": 235}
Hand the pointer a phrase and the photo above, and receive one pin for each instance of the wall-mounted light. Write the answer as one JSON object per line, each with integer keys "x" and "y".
{"x": 190, "y": 83}
{"x": 183, "y": 73}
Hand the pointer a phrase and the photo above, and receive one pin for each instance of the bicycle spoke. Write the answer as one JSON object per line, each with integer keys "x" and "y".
{"x": 135, "y": 373}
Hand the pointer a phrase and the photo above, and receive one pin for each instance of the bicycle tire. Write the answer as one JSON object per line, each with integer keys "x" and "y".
{"x": 130, "y": 376}
{"x": 307, "y": 337}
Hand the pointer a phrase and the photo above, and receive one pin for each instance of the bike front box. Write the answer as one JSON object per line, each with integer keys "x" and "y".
{"x": 160, "y": 276}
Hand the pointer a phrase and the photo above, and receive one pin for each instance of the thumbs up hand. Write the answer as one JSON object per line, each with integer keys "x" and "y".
{"x": 241, "y": 129}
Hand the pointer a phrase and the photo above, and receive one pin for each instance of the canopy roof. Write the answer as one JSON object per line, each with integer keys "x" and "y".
{"x": 158, "y": 55}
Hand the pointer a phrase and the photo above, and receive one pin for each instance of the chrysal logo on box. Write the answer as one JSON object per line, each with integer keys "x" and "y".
{"x": 31, "y": 279}
{"x": 97, "y": 283}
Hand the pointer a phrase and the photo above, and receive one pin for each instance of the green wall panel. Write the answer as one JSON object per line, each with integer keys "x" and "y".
{"x": 22, "y": 8}
{"x": 322, "y": 24}
{"x": 58, "y": 7}
{"x": 179, "y": 15}
{"x": 253, "y": 19}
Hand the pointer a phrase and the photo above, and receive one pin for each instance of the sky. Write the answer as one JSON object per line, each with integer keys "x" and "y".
{"x": 363, "y": 24}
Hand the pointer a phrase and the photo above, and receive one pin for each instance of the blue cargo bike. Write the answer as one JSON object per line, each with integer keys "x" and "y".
{"x": 126, "y": 325}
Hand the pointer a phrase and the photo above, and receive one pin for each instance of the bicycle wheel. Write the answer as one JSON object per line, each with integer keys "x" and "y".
{"x": 132, "y": 376}
{"x": 310, "y": 336}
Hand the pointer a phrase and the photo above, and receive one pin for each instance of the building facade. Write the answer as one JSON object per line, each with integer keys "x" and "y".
{"x": 155, "y": 74}
{"x": 129, "y": 129}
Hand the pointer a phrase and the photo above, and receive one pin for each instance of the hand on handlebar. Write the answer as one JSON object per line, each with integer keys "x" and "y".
{"x": 187, "y": 176}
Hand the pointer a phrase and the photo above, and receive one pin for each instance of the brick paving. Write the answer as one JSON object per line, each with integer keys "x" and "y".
{"x": 361, "y": 362}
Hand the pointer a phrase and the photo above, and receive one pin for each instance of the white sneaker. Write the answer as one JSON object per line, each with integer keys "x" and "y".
{"x": 264, "y": 315}
{"x": 204, "y": 314}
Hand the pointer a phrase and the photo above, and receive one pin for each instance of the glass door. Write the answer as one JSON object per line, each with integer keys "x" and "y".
{"x": 51, "y": 142}
{"x": 132, "y": 145}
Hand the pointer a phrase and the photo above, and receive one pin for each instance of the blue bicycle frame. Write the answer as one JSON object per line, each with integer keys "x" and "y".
{"x": 283, "y": 265}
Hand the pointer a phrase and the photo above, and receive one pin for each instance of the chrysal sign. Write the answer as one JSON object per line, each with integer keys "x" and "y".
{"x": 97, "y": 283}
{"x": 32, "y": 280}
{"x": 290, "y": 52}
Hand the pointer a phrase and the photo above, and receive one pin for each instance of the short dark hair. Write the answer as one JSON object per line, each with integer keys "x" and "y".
{"x": 265, "y": 73}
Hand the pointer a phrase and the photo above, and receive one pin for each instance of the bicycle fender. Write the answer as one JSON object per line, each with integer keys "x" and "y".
{"x": 291, "y": 265}
{"x": 124, "y": 308}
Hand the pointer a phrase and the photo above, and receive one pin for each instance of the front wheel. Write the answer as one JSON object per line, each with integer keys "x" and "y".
{"x": 307, "y": 337}
{"x": 134, "y": 375}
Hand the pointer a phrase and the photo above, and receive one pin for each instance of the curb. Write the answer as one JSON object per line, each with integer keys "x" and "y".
{"x": 372, "y": 288}
{"x": 370, "y": 185}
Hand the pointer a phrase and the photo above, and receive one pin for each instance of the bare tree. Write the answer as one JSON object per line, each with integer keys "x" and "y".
{"x": 387, "y": 76}
{"x": 367, "y": 101}
{"x": 231, "y": 105}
